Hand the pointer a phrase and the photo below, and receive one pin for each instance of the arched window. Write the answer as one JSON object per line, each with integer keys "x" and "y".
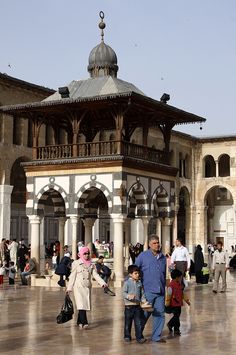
{"x": 183, "y": 166}
{"x": 210, "y": 166}
{"x": 224, "y": 165}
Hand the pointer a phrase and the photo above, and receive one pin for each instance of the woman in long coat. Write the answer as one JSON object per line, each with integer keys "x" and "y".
{"x": 80, "y": 283}
{"x": 199, "y": 263}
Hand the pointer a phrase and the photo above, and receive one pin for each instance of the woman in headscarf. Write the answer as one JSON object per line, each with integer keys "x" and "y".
{"x": 199, "y": 263}
{"x": 80, "y": 283}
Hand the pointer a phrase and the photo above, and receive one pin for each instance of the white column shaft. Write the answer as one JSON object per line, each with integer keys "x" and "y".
{"x": 5, "y": 210}
{"x": 74, "y": 222}
{"x": 118, "y": 250}
{"x": 35, "y": 238}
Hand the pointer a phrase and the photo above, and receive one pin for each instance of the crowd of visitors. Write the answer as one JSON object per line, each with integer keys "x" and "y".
{"x": 146, "y": 291}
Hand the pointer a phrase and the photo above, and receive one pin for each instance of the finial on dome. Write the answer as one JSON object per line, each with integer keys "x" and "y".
{"x": 102, "y": 24}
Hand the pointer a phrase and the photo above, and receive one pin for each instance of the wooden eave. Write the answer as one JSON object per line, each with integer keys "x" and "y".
{"x": 76, "y": 164}
{"x": 136, "y": 108}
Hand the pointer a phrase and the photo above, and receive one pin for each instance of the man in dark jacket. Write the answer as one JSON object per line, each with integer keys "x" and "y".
{"x": 63, "y": 269}
{"x": 22, "y": 250}
{"x": 103, "y": 271}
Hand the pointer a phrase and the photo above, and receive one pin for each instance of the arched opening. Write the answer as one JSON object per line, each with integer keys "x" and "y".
{"x": 93, "y": 205}
{"x": 19, "y": 220}
{"x": 137, "y": 208}
{"x": 183, "y": 215}
{"x": 161, "y": 212}
{"x": 51, "y": 207}
{"x": 209, "y": 166}
{"x": 220, "y": 216}
{"x": 224, "y": 165}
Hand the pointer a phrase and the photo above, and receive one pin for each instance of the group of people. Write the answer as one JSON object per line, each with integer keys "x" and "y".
{"x": 135, "y": 250}
{"x": 13, "y": 257}
{"x": 145, "y": 291}
{"x": 139, "y": 296}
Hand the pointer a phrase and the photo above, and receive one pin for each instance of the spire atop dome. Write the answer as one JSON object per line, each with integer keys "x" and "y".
{"x": 102, "y": 24}
{"x": 102, "y": 58}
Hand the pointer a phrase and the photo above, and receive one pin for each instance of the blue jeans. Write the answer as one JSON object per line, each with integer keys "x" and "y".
{"x": 133, "y": 313}
{"x": 23, "y": 277}
{"x": 158, "y": 315}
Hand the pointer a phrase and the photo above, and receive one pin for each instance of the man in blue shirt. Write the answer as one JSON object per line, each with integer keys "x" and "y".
{"x": 152, "y": 264}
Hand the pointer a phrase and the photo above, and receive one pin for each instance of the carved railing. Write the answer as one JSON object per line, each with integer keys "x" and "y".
{"x": 99, "y": 149}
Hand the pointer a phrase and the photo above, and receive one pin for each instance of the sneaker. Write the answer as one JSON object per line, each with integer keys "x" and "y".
{"x": 161, "y": 341}
{"x": 80, "y": 325}
{"x": 214, "y": 291}
{"x": 177, "y": 332}
{"x": 141, "y": 341}
{"x": 85, "y": 326}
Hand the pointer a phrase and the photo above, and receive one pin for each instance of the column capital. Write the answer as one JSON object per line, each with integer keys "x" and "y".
{"x": 119, "y": 218}
{"x": 34, "y": 219}
{"x": 146, "y": 219}
{"x": 166, "y": 221}
{"x": 73, "y": 218}
{"x": 89, "y": 222}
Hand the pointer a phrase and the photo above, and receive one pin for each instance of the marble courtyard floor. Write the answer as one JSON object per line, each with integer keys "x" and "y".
{"x": 28, "y": 324}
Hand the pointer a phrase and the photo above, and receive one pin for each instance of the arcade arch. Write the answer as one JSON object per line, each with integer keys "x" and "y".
{"x": 220, "y": 216}
{"x": 224, "y": 165}
{"x": 209, "y": 166}
{"x": 183, "y": 215}
{"x": 50, "y": 208}
{"x": 19, "y": 220}
{"x": 94, "y": 206}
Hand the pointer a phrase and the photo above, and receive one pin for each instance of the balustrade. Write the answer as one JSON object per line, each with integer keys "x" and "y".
{"x": 98, "y": 149}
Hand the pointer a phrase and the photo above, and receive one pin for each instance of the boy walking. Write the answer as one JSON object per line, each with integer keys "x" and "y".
{"x": 174, "y": 301}
{"x": 11, "y": 273}
{"x": 133, "y": 294}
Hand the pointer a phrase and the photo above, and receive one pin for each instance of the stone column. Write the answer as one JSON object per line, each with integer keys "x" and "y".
{"x": 5, "y": 210}
{"x": 42, "y": 246}
{"x": 88, "y": 233}
{"x": 145, "y": 221}
{"x": 188, "y": 236}
{"x": 61, "y": 234}
{"x": 158, "y": 229}
{"x": 198, "y": 227}
{"x": 166, "y": 225}
{"x": 74, "y": 222}
{"x": 217, "y": 168}
{"x": 127, "y": 241}
{"x": 118, "y": 221}
{"x": 175, "y": 226}
{"x": 35, "y": 238}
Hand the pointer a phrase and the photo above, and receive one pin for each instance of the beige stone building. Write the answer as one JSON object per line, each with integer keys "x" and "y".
{"x": 100, "y": 159}
{"x": 15, "y": 147}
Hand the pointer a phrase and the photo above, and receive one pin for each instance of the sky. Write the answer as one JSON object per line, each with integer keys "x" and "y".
{"x": 186, "y": 48}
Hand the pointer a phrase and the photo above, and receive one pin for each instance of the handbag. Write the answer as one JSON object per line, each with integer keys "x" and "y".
{"x": 67, "y": 311}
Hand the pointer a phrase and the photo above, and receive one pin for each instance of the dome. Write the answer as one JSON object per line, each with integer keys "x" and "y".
{"x": 102, "y": 61}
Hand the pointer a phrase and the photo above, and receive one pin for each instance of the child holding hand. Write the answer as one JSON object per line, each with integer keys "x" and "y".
{"x": 133, "y": 295}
